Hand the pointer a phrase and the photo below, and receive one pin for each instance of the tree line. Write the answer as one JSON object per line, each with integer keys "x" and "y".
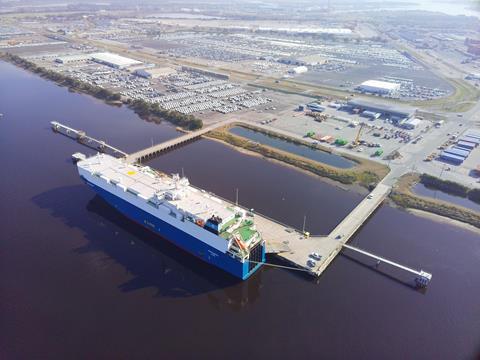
{"x": 62, "y": 79}
{"x": 143, "y": 108}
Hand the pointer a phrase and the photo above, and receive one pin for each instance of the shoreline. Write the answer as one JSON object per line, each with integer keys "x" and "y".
{"x": 146, "y": 111}
{"x": 403, "y": 196}
{"x": 443, "y": 219}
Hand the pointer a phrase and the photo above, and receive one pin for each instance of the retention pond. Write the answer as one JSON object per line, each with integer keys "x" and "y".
{"x": 297, "y": 149}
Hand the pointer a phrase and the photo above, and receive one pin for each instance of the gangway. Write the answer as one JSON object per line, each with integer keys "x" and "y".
{"x": 422, "y": 278}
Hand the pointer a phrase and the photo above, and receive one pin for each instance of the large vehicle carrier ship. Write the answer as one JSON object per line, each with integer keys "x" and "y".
{"x": 218, "y": 232}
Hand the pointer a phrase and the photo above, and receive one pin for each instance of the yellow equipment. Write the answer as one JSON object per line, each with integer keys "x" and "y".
{"x": 357, "y": 138}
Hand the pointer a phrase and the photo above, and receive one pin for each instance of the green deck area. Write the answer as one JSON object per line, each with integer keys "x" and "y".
{"x": 244, "y": 230}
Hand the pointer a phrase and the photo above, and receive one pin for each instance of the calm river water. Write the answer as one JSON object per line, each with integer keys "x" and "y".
{"x": 78, "y": 280}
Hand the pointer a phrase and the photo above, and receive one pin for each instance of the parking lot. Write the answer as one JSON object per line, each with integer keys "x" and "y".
{"x": 186, "y": 91}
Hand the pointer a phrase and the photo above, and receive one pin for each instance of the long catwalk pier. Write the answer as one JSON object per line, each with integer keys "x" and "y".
{"x": 171, "y": 144}
{"x": 86, "y": 140}
{"x": 312, "y": 254}
{"x": 422, "y": 277}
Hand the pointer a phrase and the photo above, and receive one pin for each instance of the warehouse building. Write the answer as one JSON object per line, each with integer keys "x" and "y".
{"x": 379, "y": 87}
{"x": 411, "y": 123}
{"x": 298, "y": 70}
{"x": 455, "y": 159}
{"x": 154, "y": 73}
{"x": 114, "y": 60}
{"x": 396, "y": 113}
{"x": 468, "y": 145}
{"x": 314, "y": 107}
{"x": 458, "y": 151}
{"x": 72, "y": 59}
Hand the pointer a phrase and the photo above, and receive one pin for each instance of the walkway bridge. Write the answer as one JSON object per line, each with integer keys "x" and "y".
{"x": 154, "y": 150}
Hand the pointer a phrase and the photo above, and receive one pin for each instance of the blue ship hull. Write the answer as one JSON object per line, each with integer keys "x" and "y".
{"x": 180, "y": 238}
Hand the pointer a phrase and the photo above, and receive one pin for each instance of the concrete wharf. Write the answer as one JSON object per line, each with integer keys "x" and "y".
{"x": 328, "y": 247}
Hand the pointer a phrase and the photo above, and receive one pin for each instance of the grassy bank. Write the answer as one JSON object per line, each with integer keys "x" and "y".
{"x": 403, "y": 196}
{"x": 147, "y": 111}
{"x": 364, "y": 173}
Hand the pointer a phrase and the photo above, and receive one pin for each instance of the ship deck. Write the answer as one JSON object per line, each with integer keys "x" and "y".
{"x": 145, "y": 182}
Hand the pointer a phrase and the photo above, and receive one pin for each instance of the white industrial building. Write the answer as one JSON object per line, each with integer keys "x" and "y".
{"x": 473, "y": 76}
{"x": 298, "y": 70}
{"x": 114, "y": 60}
{"x": 379, "y": 87}
{"x": 71, "y": 59}
{"x": 154, "y": 73}
{"x": 411, "y": 123}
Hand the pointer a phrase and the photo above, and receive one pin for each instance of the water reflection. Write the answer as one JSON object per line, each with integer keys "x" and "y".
{"x": 149, "y": 260}
{"x": 431, "y": 192}
{"x": 400, "y": 277}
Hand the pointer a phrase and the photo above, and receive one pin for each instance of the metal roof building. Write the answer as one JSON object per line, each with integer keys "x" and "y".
{"x": 473, "y": 134}
{"x": 466, "y": 145}
{"x": 451, "y": 158}
{"x": 399, "y": 112}
{"x": 154, "y": 73}
{"x": 114, "y": 60}
{"x": 68, "y": 59}
{"x": 470, "y": 139}
{"x": 379, "y": 87}
{"x": 458, "y": 152}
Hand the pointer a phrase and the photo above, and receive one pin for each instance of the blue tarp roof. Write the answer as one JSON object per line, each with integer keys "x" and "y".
{"x": 471, "y": 138}
{"x": 459, "y": 152}
{"x": 451, "y": 157}
{"x": 473, "y": 134}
